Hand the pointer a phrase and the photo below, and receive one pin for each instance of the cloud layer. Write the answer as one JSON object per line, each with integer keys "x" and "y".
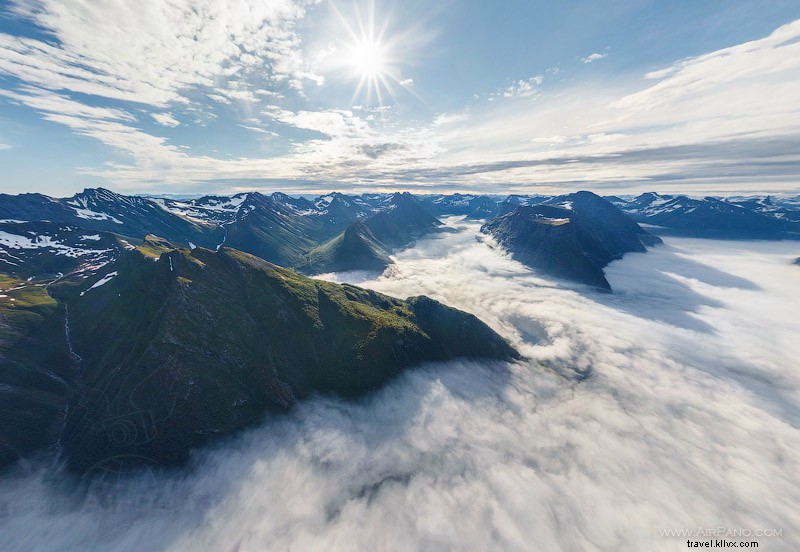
{"x": 671, "y": 404}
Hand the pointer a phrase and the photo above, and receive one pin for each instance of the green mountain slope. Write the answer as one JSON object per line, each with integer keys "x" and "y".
{"x": 354, "y": 249}
{"x": 274, "y": 231}
{"x": 36, "y": 368}
{"x": 365, "y": 244}
{"x": 199, "y": 343}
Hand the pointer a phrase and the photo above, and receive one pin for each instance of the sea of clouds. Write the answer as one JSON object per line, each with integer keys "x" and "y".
{"x": 670, "y": 404}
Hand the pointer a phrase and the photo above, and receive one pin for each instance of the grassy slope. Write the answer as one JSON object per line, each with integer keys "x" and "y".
{"x": 354, "y": 249}
{"x": 35, "y": 368}
{"x": 178, "y": 355}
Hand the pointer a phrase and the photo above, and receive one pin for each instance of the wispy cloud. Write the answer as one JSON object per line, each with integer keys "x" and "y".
{"x": 165, "y": 119}
{"x": 167, "y": 49}
{"x": 524, "y": 87}
{"x": 593, "y": 57}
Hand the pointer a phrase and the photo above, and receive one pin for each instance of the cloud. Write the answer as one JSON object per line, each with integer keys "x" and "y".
{"x": 629, "y": 133}
{"x": 523, "y": 88}
{"x": 593, "y": 57}
{"x": 690, "y": 119}
{"x": 450, "y": 118}
{"x": 47, "y": 102}
{"x": 408, "y": 83}
{"x": 165, "y": 119}
{"x": 375, "y": 151}
{"x": 259, "y": 130}
{"x": 165, "y": 51}
{"x": 339, "y": 122}
{"x": 670, "y": 404}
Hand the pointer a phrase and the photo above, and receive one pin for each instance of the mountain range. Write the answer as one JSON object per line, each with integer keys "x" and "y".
{"x": 719, "y": 218}
{"x": 138, "y": 328}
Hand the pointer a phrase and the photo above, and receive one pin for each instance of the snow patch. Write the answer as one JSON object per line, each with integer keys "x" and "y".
{"x": 102, "y": 281}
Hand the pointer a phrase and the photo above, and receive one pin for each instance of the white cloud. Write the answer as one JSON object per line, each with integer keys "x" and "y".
{"x": 687, "y": 419}
{"x": 45, "y": 101}
{"x": 338, "y": 122}
{"x": 259, "y": 130}
{"x": 700, "y": 122}
{"x": 152, "y": 52}
{"x": 593, "y": 57}
{"x": 408, "y": 83}
{"x": 165, "y": 119}
{"x": 450, "y": 118}
{"x": 523, "y": 88}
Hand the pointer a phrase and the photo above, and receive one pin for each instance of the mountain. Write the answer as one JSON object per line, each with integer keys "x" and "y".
{"x": 573, "y": 237}
{"x": 403, "y": 222}
{"x": 39, "y": 248}
{"x": 513, "y": 201}
{"x": 279, "y": 228}
{"x": 354, "y": 249}
{"x": 101, "y": 210}
{"x": 34, "y": 207}
{"x": 199, "y": 344}
{"x": 616, "y": 230}
{"x": 708, "y": 218}
{"x": 210, "y": 209}
{"x": 338, "y": 210}
{"x": 276, "y": 231}
{"x": 366, "y": 243}
{"x": 473, "y": 206}
{"x": 786, "y": 210}
{"x": 37, "y": 370}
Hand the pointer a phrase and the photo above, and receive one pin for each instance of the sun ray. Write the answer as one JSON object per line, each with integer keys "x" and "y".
{"x": 368, "y": 53}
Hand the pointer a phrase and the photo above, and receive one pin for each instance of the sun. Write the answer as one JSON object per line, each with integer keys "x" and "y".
{"x": 368, "y": 59}
{"x": 369, "y": 50}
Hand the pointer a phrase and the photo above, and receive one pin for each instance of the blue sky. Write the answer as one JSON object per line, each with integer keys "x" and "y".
{"x": 457, "y": 95}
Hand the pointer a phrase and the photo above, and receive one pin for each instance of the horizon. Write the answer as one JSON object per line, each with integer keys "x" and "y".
{"x": 309, "y": 97}
{"x": 496, "y": 194}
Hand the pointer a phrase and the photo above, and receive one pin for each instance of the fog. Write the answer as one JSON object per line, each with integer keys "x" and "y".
{"x": 670, "y": 404}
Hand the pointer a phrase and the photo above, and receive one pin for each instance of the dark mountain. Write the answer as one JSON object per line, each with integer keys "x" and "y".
{"x": 354, "y": 249}
{"x": 275, "y": 231}
{"x": 39, "y": 248}
{"x": 300, "y": 204}
{"x": 366, "y": 243}
{"x": 338, "y": 210}
{"x": 708, "y": 218}
{"x": 37, "y": 371}
{"x": 200, "y": 343}
{"x": 402, "y": 223}
{"x": 574, "y": 237}
{"x": 34, "y": 207}
{"x": 102, "y": 210}
{"x": 618, "y": 232}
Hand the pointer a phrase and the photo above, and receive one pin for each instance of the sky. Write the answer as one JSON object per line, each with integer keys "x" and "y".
{"x": 304, "y": 96}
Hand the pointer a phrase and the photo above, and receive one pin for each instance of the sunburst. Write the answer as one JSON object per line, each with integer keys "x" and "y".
{"x": 368, "y": 56}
